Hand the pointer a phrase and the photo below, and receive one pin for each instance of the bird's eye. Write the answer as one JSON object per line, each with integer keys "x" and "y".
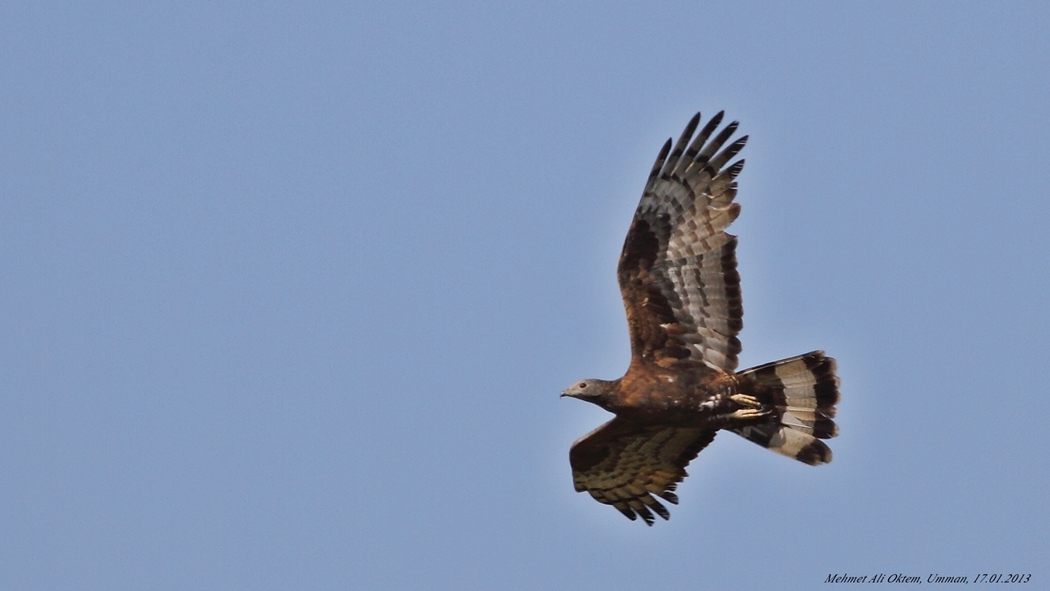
{"x": 583, "y": 385}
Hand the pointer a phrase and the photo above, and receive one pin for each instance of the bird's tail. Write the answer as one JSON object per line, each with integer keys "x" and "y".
{"x": 802, "y": 392}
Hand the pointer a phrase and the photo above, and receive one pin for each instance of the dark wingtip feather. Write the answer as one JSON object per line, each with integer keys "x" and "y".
{"x": 628, "y": 513}
{"x": 680, "y": 145}
{"x": 701, "y": 138}
{"x": 660, "y": 510}
{"x": 691, "y": 126}
{"x": 731, "y": 150}
{"x": 646, "y": 515}
{"x": 735, "y": 168}
{"x": 716, "y": 144}
{"x": 660, "y": 159}
{"x": 669, "y": 496}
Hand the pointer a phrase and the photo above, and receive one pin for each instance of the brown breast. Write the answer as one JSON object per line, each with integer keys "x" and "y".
{"x": 650, "y": 392}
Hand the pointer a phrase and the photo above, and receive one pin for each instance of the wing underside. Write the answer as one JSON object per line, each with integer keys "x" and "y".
{"x": 677, "y": 271}
{"x": 625, "y": 464}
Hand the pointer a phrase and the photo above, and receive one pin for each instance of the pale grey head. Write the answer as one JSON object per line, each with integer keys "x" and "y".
{"x": 593, "y": 391}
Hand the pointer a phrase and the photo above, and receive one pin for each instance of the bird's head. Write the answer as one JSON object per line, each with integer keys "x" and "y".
{"x": 593, "y": 391}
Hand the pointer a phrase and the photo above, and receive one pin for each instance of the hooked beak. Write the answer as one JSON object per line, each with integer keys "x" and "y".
{"x": 570, "y": 394}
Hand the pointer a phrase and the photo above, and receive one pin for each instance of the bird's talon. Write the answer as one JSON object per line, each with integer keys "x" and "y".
{"x": 747, "y": 413}
{"x": 745, "y": 400}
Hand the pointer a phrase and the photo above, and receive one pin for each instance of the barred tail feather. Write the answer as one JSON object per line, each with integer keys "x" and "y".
{"x": 802, "y": 392}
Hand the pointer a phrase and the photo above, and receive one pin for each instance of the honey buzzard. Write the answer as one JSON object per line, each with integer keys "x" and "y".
{"x": 681, "y": 290}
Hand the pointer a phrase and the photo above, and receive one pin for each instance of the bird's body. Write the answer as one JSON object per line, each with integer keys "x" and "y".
{"x": 652, "y": 393}
{"x": 681, "y": 291}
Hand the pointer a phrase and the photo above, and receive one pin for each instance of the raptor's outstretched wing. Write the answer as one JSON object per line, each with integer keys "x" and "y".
{"x": 624, "y": 463}
{"x": 677, "y": 272}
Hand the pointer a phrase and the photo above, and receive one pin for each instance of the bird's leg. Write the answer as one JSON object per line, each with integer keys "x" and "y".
{"x": 752, "y": 407}
{"x": 745, "y": 400}
{"x": 747, "y": 413}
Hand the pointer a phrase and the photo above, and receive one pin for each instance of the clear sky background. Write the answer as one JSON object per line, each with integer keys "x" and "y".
{"x": 289, "y": 291}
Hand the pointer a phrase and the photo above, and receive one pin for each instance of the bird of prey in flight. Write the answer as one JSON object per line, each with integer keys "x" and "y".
{"x": 680, "y": 287}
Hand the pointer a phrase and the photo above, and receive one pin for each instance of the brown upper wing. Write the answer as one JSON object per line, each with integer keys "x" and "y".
{"x": 677, "y": 272}
{"x": 624, "y": 463}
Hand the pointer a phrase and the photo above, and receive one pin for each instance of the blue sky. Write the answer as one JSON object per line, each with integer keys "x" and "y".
{"x": 290, "y": 291}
